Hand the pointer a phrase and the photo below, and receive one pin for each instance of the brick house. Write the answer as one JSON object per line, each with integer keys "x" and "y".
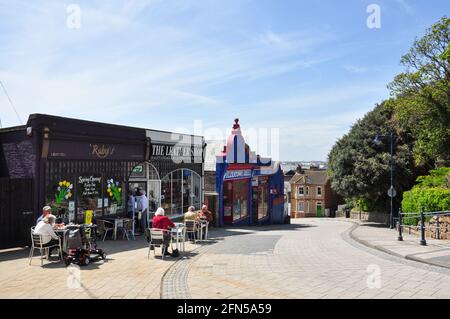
{"x": 311, "y": 194}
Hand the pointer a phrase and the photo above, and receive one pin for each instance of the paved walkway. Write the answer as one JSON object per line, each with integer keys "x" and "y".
{"x": 313, "y": 258}
{"x": 437, "y": 252}
{"x": 127, "y": 273}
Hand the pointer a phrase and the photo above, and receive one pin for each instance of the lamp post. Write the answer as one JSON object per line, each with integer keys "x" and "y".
{"x": 391, "y": 192}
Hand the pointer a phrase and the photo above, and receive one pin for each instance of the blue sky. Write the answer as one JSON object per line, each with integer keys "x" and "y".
{"x": 307, "y": 68}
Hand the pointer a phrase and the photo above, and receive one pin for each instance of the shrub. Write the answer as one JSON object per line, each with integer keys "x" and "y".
{"x": 430, "y": 194}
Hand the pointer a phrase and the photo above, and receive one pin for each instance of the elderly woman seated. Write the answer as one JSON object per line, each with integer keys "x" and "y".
{"x": 163, "y": 222}
{"x": 190, "y": 214}
{"x": 45, "y": 229}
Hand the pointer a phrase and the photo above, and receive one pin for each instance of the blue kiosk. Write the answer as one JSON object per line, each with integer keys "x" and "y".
{"x": 250, "y": 188}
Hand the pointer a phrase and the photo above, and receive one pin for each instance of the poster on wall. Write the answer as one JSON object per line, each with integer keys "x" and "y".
{"x": 88, "y": 217}
{"x": 89, "y": 186}
{"x": 227, "y": 211}
{"x": 71, "y": 216}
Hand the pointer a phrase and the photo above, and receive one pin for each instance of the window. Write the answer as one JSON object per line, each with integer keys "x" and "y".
{"x": 60, "y": 196}
{"x": 240, "y": 200}
{"x": 301, "y": 206}
{"x": 89, "y": 195}
{"x": 307, "y": 190}
{"x": 114, "y": 197}
{"x": 307, "y": 207}
{"x": 301, "y": 191}
{"x": 235, "y": 200}
{"x": 319, "y": 191}
{"x": 179, "y": 190}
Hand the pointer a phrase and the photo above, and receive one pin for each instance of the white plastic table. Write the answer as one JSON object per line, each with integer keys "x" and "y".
{"x": 177, "y": 233}
{"x": 202, "y": 224}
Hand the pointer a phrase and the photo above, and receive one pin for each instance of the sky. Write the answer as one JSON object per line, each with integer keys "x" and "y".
{"x": 299, "y": 73}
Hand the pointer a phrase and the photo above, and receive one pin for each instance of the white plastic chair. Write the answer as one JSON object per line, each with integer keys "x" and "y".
{"x": 157, "y": 240}
{"x": 191, "y": 228}
{"x": 37, "y": 243}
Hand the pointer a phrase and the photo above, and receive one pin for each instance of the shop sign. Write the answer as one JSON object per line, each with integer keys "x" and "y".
{"x": 239, "y": 174}
{"x": 182, "y": 152}
{"x": 89, "y": 185}
{"x": 101, "y": 150}
{"x": 60, "y": 149}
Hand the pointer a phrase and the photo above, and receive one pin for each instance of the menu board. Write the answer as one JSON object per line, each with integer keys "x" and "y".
{"x": 89, "y": 186}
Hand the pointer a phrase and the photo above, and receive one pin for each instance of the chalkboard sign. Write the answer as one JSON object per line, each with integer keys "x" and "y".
{"x": 89, "y": 186}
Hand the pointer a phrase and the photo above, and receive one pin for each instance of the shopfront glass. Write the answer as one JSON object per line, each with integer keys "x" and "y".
{"x": 114, "y": 196}
{"x": 179, "y": 190}
{"x": 89, "y": 196}
{"x": 236, "y": 200}
{"x": 60, "y": 196}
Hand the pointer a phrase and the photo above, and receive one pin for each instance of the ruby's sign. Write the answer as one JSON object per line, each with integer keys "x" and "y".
{"x": 101, "y": 150}
{"x": 60, "y": 149}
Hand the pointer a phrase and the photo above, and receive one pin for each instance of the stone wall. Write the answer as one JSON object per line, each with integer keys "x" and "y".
{"x": 375, "y": 217}
{"x": 431, "y": 230}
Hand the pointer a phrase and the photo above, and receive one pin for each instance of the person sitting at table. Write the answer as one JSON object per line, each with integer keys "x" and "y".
{"x": 190, "y": 214}
{"x": 46, "y": 210}
{"x": 45, "y": 229}
{"x": 205, "y": 214}
{"x": 160, "y": 221}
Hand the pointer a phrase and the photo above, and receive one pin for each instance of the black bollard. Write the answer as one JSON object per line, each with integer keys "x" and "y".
{"x": 400, "y": 235}
{"x": 423, "y": 241}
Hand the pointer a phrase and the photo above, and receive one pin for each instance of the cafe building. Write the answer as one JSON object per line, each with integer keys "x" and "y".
{"x": 250, "y": 188}
{"x": 75, "y": 166}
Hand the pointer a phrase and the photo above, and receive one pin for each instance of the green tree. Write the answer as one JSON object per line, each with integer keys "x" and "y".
{"x": 422, "y": 92}
{"x": 360, "y": 169}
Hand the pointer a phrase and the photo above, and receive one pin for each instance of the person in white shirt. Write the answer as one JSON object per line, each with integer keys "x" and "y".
{"x": 142, "y": 206}
{"x": 45, "y": 229}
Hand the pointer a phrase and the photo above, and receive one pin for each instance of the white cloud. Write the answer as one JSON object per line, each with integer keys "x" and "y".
{"x": 406, "y": 6}
{"x": 355, "y": 69}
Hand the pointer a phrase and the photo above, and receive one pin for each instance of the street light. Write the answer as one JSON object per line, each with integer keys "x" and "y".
{"x": 391, "y": 192}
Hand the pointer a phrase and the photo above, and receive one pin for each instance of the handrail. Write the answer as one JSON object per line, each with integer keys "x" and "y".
{"x": 423, "y": 227}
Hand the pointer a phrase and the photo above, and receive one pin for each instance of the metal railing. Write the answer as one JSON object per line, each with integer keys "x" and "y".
{"x": 422, "y": 215}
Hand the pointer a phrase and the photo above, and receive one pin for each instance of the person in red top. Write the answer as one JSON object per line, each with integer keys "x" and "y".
{"x": 163, "y": 222}
{"x": 160, "y": 221}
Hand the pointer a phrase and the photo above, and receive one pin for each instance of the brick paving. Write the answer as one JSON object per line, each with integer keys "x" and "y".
{"x": 312, "y": 258}
{"x": 127, "y": 273}
{"x": 437, "y": 252}
{"x": 315, "y": 258}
